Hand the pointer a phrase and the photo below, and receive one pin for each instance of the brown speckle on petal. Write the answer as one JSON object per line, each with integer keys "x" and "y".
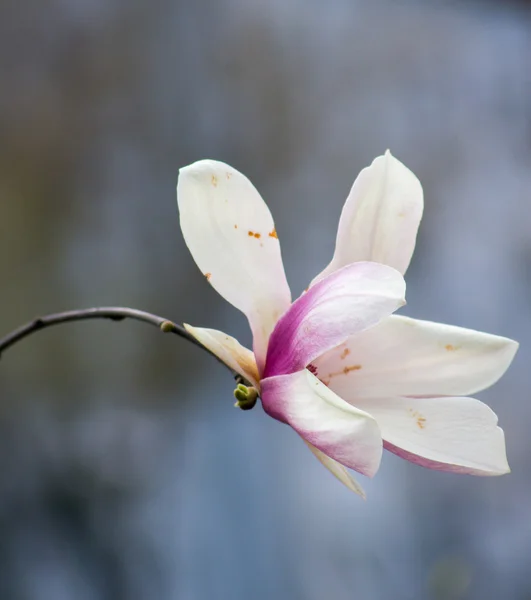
{"x": 273, "y": 234}
{"x": 420, "y": 419}
{"x": 235, "y": 226}
{"x": 214, "y": 181}
{"x": 208, "y": 276}
{"x": 451, "y": 347}
{"x": 344, "y": 371}
{"x": 344, "y": 354}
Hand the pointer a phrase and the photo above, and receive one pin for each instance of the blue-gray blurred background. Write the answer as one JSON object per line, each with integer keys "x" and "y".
{"x": 125, "y": 472}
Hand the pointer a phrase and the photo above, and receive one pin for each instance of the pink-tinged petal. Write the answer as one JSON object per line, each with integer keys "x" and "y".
{"x": 407, "y": 357}
{"x": 342, "y": 432}
{"x": 380, "y": 218}
{"x": 229, "y": 351}
{"x": 231, "y": 235}
{"x": 337, "y": 470}
{"x": 448, "y": 434}
{"x": 346, "y": 302}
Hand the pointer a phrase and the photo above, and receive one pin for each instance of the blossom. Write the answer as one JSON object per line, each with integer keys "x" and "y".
{"x": 346, "y": 374}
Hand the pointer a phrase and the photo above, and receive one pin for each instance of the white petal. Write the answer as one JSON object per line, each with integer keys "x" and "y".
{"x": 448, "y": 434}
{"x": 341, "y": 431}
{"x": 229, "y": 351}
{"x": 337, "y": 470}
{"x": 380, "y": 218}
{"x": 408, "y": 357}
{"x": 231, "y": 235}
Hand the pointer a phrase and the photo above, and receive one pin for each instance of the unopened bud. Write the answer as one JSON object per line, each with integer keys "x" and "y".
{"x": 245, "y": 397}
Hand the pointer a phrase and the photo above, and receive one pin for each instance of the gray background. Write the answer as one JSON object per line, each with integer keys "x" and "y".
{"x": 125, "y": 473}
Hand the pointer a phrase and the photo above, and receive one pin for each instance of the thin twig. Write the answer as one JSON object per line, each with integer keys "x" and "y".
{"x": 113, "y": 313}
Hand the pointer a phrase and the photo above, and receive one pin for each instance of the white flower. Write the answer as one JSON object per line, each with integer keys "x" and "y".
{"x": 336, "y": 365}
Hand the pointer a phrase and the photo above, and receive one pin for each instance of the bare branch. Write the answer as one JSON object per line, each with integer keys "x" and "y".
{"x": 113, "y": 313}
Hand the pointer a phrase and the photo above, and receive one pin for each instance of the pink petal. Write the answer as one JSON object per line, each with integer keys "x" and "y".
{"x": 346, "y": 302}
{"x": 231, "y": 235}
{"x": 448, "y": 434}
{"x": 342, "y": 432}
{"x": 230, "y": 351}
{"x": 380, "y": 218}
{"x": 408, "y": 357}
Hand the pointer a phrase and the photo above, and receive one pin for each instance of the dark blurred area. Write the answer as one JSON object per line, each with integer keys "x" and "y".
{"x": 125, "y": 473}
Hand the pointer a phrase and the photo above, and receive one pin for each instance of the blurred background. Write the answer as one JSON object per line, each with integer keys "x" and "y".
{"x": 125, "y": 472}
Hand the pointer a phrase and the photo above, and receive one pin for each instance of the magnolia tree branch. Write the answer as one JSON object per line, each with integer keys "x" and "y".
{"x": 113, "y": 313}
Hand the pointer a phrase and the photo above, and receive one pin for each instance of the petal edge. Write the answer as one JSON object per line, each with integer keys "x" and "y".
{"x": 380, "y": 218}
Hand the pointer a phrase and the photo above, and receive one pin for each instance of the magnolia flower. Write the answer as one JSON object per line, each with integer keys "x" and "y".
{"x": 348, "y": 376}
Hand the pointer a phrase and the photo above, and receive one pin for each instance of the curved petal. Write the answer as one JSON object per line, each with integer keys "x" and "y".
{"x": 350, "y": 300}
{"x": 231, "y": 235}
{"x": 337, "y": 470}
{"x": 448, "y": 434}
{"x": 408, "y": 357}
{"x": 341, "y": 431}
{"x": 229, "y": 351}
{"x": 380, "y": 218}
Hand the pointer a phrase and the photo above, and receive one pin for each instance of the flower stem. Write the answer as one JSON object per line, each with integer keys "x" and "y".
{"x": 114, "y": 313}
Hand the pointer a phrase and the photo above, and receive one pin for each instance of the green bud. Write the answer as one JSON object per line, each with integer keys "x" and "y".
{"x": 245, "y": 397}
{"x": 240, "y": 395}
